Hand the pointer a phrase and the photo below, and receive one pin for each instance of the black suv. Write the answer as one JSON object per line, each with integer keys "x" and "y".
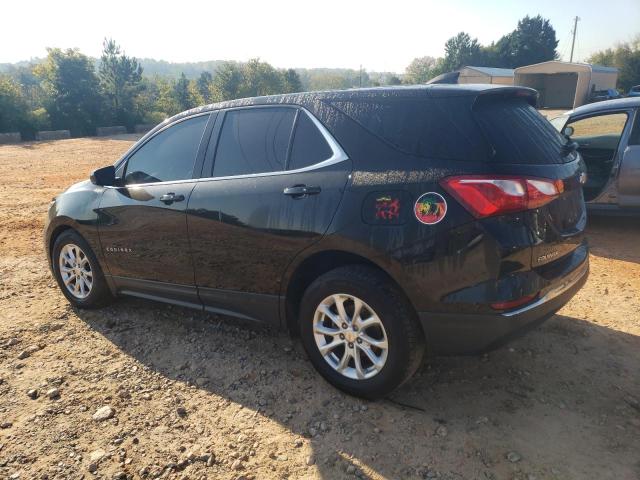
{"x": 374, "y": 223}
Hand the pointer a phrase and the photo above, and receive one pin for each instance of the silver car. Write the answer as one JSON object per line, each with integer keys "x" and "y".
{"x": 608, "y": 138}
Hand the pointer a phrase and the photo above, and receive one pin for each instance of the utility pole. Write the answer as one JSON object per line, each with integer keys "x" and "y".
{"x": 360, "y": 75}
{"x": 573, "y": 42}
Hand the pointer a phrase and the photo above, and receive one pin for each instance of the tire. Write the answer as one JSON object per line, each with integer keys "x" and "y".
{"x": 382, "y": 301}
{"x": 98, "y": 294}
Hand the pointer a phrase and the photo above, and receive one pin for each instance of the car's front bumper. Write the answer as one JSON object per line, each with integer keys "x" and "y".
{"x": 461, "y": 334}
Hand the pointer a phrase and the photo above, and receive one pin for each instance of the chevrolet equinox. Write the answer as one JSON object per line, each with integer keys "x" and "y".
{"x": 376, "y": 224}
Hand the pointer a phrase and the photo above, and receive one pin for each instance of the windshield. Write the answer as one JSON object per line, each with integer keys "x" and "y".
{"x": 559, "y": 122}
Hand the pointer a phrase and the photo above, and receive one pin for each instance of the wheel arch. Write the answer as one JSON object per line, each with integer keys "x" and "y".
{"x": 53, "y": 236}
{"x": 318, "y": 264}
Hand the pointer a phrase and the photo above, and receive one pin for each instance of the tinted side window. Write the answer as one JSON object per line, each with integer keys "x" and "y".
{"x": 422, "y": 127}
{"x": 170, "y": 155}
{"x": 599, "y": 126}
{"x": 309, "y": 146}
{"x": 253, "y": 140}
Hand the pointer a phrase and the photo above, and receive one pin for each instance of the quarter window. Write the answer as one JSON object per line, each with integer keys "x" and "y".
{"x": 170, "y": 155}
{"x": 254, "y": 140}
{"x": 427, "y": 128}
{"x": 309, "y": 146}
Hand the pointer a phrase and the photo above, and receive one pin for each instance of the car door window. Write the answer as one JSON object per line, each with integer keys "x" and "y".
{"x": 309, "y": 145}
{"x": 634, "y": 139}
{"x": 254, "y": 140}
{"x": 170, "y": 155}
{"x": 610, "y": 126}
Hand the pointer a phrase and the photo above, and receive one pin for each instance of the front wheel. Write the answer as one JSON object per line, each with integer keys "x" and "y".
{"x": 360, "y": 332}
{"x": 78, "y": 272}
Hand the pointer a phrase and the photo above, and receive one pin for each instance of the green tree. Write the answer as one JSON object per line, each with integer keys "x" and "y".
{"x": 392, "y": 80}
{"x": 226, "y": 82}
{"x": 203, "y": 86}
{"x": 13, "y": 107}
{"x": 420, "y": 70}
{"x": 461, "y": 50}
{"x": 183, "y": 94}
{"x": 120, "y": 81}
{"x": 629, "y": 74}
{"x": 533, "y": 41}
{"x": 166, "y": 101}
{"x": 329, "y": 81}
{"x": 73, "y": 100}
{"x": 291, "y": 81}
{"x": 606, "y": 58}
{"x": 626, "y": 57}
{"x": 260, "y": 78}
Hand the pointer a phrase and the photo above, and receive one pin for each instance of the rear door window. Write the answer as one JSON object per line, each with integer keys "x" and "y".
{"x": 254, "y": 140}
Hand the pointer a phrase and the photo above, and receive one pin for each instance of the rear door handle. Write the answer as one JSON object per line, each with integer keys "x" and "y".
{"x": 300, "y": 191}
{"x": 171, "y": 197}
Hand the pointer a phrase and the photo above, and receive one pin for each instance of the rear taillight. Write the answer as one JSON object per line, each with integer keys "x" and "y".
{"x": 489, "y": 195}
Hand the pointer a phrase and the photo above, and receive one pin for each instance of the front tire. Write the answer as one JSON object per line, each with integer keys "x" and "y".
{"x": 78, "y": 272}
{"x": 360, "y": 332}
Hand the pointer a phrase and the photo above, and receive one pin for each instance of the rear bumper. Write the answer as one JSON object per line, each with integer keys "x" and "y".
{"x": 462, "y": 334}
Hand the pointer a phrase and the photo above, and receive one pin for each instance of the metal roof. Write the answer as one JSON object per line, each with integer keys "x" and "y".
{"x": 601, "y": 68}
{"x": 563, "y": 67}
{"x": 493, "y": 72}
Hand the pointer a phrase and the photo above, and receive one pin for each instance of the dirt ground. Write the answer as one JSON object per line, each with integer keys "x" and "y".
{"x": 193, "y": 396}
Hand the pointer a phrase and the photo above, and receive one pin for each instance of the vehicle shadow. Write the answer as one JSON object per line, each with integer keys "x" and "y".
{"x": 614, "y": 237}
{"x": 561, "y": 402}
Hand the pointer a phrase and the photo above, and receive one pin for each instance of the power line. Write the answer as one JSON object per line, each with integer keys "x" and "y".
{"x": 565, "y": 42}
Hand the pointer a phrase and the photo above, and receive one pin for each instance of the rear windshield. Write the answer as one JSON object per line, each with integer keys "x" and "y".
{"x": 420, "y": 126}
{"x": 518, "y": 133}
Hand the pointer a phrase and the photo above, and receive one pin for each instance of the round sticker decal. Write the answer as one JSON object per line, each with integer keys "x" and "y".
{"x": 430, "y": 208}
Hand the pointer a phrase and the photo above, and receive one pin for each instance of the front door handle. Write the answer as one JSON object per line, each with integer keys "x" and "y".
{"x": 171, "y": 197}
{"x": 301, "y": 191}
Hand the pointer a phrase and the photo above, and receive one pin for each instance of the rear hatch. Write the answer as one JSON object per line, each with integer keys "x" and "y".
{"x": 524, "y": 144}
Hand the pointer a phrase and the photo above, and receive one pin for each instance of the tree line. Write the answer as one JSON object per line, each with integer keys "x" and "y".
{"x": 626, "y": 57}
{"x": 69, "y": 90}
{"x": 533, "y": 41}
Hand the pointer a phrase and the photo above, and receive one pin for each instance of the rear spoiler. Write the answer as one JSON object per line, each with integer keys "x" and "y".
{"x": 480, "y": 92}
{"x": 449, "y": 77}
{"x": 528, "y": 94}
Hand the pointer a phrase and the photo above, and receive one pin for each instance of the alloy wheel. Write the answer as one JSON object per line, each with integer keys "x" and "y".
{"x": 350, "y": 336}
{"x": 75, "y": 271}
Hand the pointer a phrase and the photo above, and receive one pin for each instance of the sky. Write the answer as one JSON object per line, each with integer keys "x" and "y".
{"x": 379, "y": 35}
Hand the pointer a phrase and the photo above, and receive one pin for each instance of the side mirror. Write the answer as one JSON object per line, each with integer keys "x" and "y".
{"x": 567, "y": 131}
{"x": 105, "y": 176}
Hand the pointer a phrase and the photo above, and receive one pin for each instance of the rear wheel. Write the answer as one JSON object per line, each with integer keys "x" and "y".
{"x": 78, "y": 272}
{"x": 360, "y": 332}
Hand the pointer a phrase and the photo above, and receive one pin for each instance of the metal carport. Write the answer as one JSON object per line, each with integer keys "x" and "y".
{"x": 563, "y": 84}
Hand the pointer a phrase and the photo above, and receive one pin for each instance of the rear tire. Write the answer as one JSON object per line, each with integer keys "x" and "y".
{"x": 78, "y": 272}
{"x": 381, "y": 347}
